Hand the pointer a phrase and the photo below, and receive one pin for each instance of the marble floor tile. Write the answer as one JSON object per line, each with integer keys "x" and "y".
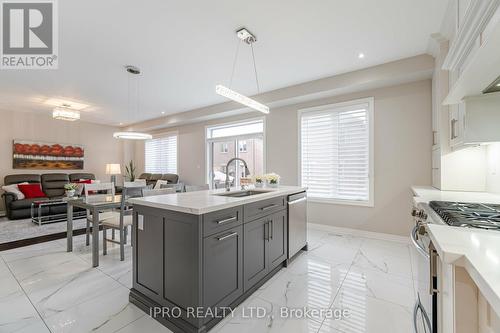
{"x": 38, "y": 326}
{"x": 108, "y": 312}
{"x": 368, "y": 315}
{"x": 258, "y": 315}
{"x": 44, "y": 287}
{"x": 387, "y": 287}
{"x": 32, "y": 251}
{"x": 336, "y": 248}
{"x": 145, "y": 324}
{"x": 385, "y": 248}
{"x": 16, "y": 312}
{"x": 54, "y": 295}
{"x": 307, "y": 282}
{"x": 384, "y": 263}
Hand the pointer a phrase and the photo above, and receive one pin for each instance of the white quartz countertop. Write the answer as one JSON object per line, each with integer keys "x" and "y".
{"x": 478, "y": 251}
{"x": 201, "y": 202}
{"x": 425, "y": 194}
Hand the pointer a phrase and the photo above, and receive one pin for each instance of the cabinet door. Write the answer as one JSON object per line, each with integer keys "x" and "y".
{"x": 277, "y": 239}
{"x": 149, "y": 263}
{"x": 255, "y": 256}
{"x": 223, "y": 267}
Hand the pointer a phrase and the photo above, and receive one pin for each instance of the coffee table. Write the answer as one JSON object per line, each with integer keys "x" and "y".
{"x": 37, "y": 208}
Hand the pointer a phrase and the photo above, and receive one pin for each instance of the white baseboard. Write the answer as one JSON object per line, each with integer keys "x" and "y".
{"x": 359, "y": 233}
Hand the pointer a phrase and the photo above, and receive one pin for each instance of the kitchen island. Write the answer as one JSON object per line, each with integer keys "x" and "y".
{"x": 197, "y": 255}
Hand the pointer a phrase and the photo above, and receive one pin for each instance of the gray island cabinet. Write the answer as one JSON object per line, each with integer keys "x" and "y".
{"x": 190, "y": 268}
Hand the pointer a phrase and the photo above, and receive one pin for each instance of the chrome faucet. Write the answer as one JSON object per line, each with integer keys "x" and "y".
{"x": 247, "y": 172}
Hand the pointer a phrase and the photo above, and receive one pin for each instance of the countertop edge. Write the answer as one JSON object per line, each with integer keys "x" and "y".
{"x": 200, "y": 211}
{"x": 460, "y": 258}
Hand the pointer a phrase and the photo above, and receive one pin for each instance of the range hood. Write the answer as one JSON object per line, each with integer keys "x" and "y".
{"x": 493, "y": 87}
{"x": 481, "y": 117}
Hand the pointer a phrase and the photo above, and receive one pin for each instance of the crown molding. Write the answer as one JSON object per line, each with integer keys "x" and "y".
{"x": 476, "y": 18}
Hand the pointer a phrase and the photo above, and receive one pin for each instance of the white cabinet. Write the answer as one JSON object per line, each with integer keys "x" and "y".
{"x": 436, "y": 168}
{"x": 457, "y": 125}
{"x": 474, "y": 48}
{"x": 475, "y": 121}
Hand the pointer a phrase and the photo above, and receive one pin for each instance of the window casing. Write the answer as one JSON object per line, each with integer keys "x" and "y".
{"x": 336, "y": 152}
{"x": 161, "y": 154}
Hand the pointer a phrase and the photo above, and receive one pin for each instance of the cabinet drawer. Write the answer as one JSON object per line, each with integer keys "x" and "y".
{"x": 221, "y": 220}
{"x": 262, "y": 208}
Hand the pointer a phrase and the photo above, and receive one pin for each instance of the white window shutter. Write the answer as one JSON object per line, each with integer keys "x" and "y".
{"x": 161, "y": 155}
{"x": 335, "y": 153}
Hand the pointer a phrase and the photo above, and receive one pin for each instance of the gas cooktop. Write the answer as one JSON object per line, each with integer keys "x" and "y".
{"x": 470, "y": 215}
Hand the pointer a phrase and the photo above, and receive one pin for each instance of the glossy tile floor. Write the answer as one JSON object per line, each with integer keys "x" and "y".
{"x": 45, "y": 289}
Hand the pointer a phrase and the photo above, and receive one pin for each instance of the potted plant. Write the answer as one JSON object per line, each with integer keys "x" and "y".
{"x": 70, "y": 189}
{"x": 259, "y": 181}
{"x": 130, "y": 171}
{"x": 273, "y": 179}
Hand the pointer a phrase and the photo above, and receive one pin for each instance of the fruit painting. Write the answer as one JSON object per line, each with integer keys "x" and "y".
{"x": 46, "y": 156}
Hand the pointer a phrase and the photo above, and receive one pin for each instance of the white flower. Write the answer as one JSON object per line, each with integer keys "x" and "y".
{"x": 259, "y": 179}
{"x": 273, "y": 178}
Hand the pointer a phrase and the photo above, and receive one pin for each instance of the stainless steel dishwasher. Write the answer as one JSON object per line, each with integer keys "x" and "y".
{"x": 297, "y": 223}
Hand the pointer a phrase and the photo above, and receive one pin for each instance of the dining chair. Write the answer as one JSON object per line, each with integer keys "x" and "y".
{"x": 159, "y": 183}
{"x": 179, "y": 187}
{"x": 135, "y": 183}
{"x": 193, "y": 188}
{"x": 97, "y": 189}
{"x": 161, "y": 191}
{"x": 121, "y": 221}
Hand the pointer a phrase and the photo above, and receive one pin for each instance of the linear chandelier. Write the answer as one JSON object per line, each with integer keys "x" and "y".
{"x": 247, "y": 37}
{"x": 131, "y": 135}
{"x": 65, "y": 113}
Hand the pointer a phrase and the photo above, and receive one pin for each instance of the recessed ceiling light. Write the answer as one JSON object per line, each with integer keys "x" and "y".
{"x": 163, "y": 112}
{"x": 361, "y": 55}
{"x": 498, "y": 84}
{"x": 120, "y": 124}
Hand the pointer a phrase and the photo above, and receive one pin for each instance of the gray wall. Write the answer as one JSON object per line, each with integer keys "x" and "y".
{"x": 402, "y": 155}
{"x": 100, "y": 146}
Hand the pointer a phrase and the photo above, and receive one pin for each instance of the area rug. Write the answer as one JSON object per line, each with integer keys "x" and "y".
{"x": 15, "y": 233}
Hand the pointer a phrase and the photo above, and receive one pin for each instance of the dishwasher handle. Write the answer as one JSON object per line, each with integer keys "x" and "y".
{"x": 297, "y": 200}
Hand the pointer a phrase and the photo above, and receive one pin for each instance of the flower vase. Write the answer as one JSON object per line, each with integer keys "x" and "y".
{"x": 272, "y": 184}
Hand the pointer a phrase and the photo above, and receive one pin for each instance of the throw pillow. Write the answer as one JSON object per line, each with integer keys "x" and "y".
{"x": 14, "y": 189}
{"x": 32, "y": 190}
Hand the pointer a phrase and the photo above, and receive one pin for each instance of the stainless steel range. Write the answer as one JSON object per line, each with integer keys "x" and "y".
{"x": 469, "y": 215}
{"x": 456, "y": 214}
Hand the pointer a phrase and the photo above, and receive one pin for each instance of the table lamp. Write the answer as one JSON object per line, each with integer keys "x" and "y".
{"x": 113, "y": 170}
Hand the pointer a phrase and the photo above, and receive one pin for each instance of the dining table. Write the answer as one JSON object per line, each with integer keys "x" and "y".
{"x": 93, "y": 204}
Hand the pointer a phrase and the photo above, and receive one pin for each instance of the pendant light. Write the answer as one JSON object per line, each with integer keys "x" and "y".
{"x": 245, "y": 36}
{"x": 131, "y": 135}
{"x": 65, "y": 112}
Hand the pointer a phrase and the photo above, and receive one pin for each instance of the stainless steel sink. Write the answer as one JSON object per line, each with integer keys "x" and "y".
{"x": 239, "y": 194}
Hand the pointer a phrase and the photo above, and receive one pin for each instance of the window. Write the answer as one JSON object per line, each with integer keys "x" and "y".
{"x": 336, "y": 152}
{"x": 161, "y": 154}
{"x": 242, "y": 146}
{"x": 242, "y": 139}
{"x": 224, "y": 148}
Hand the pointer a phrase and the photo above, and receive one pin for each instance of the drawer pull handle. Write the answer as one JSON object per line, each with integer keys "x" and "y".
{"x": 227, "y": 236}
{"x": 230, "y": 219}
{"x": 268, "y": 207}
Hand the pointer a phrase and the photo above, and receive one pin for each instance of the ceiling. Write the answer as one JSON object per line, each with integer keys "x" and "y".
{"x": 184, "y": 48}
